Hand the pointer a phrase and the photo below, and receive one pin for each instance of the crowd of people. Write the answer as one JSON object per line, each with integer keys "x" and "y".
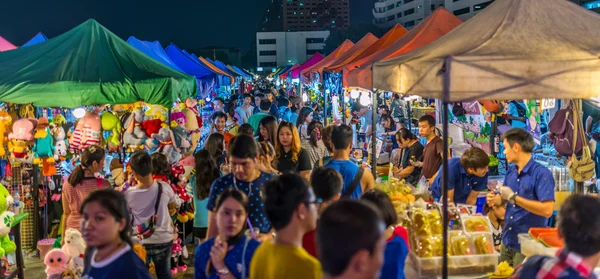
{"x": 277, "y": 195}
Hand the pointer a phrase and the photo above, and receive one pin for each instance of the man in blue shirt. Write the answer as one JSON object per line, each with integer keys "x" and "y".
{"x": 517, "y": 113}
{"x": 467, "y": 176}
{"x": 529, "y": 188}
{"x": 580, "y": 229}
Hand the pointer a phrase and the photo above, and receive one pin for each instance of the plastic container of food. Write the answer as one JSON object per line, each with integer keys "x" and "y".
{"x": 476, "y": 224}
{"x": 457, "y": 265}
{"x": 532, "y": 247}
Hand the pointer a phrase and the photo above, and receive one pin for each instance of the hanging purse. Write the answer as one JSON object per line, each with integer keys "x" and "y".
{"x": 582, "y": 169}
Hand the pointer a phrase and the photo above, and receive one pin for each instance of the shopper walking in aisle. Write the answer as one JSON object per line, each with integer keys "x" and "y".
{"x": 467, "y": 177}
{"x": 291, "y": 207}
{"x": 314, "y": 145}
{"x": 246, "y": 177}
{"x": 257, "y": 99}
{"x": 326, "y": 139}
{"x": 229, "y": 254}
{"x": 106, "y": 228}
{"x": 411, "y": 150}
{"x": 219, "y": 105}
{"x": 529, "y": 189}
{"x": 432, "y": 152}
{"x": 215, "y": 145}
{"x": 267, "y": 156}
{"x": 255, "y": 119}
{"x": 306, "y": 116}
{"x": 80, "y": 184}
{"x": 219, "y": 120}
{"x": 268, "y": 130}
{"x": 356, "y": 179}
{"x": 150, "y": 202}
{"x": 579, "y": 226}
{"x": 231, "y": 125}
{"x": 351, "y": 241}
{"x": 327, "y": 184}
{"x": 396, "y": 249}
{"x": 291, "y": 157}
{"x": 245, "y": 110}
{"x": 205, "y": 173}
{"x": 297, "y": 105}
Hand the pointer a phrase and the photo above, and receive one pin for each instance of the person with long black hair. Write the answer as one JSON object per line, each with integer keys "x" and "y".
{"x": 205, "y": 173}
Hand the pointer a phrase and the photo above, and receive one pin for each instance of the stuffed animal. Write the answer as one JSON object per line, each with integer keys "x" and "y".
{"x": 176, "y": 251}
{"x": 60, "y": 143}
{"x": 74, "y": 244}
{"x": 181, "y": 136}
{"x": 6, "y": 201}
{"x": 56, "y": 262}
{"x": 43, "y": 146}
{"x": 134, "y": 136}
{"x": 111, "y": 122}
{"x": 118, "y": 175}
{"x": 139, "y": 250}
{"x": 152, "y": 126}
{"x": 87, "y": 132}
{"x": 5, "y": 122}
{"x": 68, "y": 274}
{"x": 76, "y": 266}
{"x": 19, "y": 138}
{"x": 193, "y": 128}
{"x": 167, "y": 147}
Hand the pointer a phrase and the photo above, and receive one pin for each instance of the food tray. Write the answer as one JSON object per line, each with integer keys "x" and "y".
{"x": 484, "y": 220}
{"x": 532, "y": 247}
{"x": 457, "y": 265}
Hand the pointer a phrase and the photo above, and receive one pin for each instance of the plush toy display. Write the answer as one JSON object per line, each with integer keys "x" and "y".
{"x": 133, "y": 136}
{"x": 76, "y": 266}
{"x": 5, "y": 122}
{"x": 111, "y": 122}
{"x": 167, "y": 147}
{"x": 74, "y": 244}
{"x": 43, "y": 147}
{"x": 60, "y": 142}
{"x": 193, "y": 129}
{"x": 19, "y": 138}
{"x": 56, "y": 262}
{"x": 6, "y": 201}
{"x": 87, "y": 131}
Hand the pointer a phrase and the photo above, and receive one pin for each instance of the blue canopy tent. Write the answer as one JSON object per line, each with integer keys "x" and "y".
{"x": 245, "y": 73}
{"x": 236, "y": 71}
{"x": 222, "y": 80}
{"x": 154, "y": 50}
{"x": 206, "y": 79}
{"x": 223, "y": 67}
{"x": 39, "y": 38}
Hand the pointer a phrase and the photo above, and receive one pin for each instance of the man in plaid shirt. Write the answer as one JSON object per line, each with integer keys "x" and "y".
{"x": 580, "y": 227}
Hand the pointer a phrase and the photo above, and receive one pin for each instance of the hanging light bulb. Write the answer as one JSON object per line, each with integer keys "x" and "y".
{"x": 327, "y": 91}
{"x": 346, "y": 99}
{"x": 354, "y": 93}
{"x": 365, "y": 100}
{"x": 207, "y": 99}
{"x": 304, "y": 97}
{"x": 79, "y": 113}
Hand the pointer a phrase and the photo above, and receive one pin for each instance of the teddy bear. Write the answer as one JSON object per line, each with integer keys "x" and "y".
{"x": 6, "y": 201}
{"x": 56, "y": 262}
{"x": 74, "y": 244}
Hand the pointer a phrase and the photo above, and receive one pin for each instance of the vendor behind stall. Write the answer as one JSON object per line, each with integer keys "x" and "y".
{"x": 467, "y": 176}
{"x": 529, "y": 189}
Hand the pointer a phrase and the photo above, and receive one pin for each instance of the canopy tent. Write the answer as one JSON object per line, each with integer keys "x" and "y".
{"x": 229, "y": 67}
{"x": 6, "y": 45}
{"x": 310, "y": 62}
{"x": 207, "y": 80}
{"x": 38, "y": 38}
{"x": 349, "y": 55}
{"x": 215, "y": 69}
{"x": 88, "y": 65}
{"x": 284, "y": 75}
{"x": 154, "y": 50}
{"x": 241, "y": 71}
{"x": 345, "y": 46}
{"x": 223, "y": 67}
{"x": 282, "y": 70}
{"x": 432, "y": 28}
{"x": 513, "y": 49}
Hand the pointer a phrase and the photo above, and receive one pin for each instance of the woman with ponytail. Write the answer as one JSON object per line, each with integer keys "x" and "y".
{"x": 411, "y": 149}
{"x": 315, "y": 146}
{"x": 80, "y": 184}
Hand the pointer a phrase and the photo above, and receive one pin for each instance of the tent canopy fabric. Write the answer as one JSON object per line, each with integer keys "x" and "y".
{"x": 386, "y": 40}
{"x": 284, "y": 75}
{"x": 6, "y": 45}
{"x": 223, "y": 67}
{"x": 436, "y": 25}
{"x": 186, "y": 63}
{"x": 215, "y": 69}
{"x": 38, "y": 38}
{"x": 345, "y": 46}
{"x": 514, "y": 49}
{"x": 352, "y": 53}
{"x": 88, "y": 65}
{"x": 154, "y": 50}
{"x": 310, "y": 62}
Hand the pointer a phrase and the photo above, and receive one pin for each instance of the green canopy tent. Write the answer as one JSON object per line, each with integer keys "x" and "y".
{"x": 88, "y": 65}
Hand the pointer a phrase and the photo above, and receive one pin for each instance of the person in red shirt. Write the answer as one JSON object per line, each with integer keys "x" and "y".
{"x": 327, "y": 184}
{"x": 219, "y": 120}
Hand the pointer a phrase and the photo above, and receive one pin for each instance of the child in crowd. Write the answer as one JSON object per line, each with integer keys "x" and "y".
{"x": 496, "y": 216}
{"x": 105, "y": 226}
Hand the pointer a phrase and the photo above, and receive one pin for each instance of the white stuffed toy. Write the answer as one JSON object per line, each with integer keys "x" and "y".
{"x": 76, "y": 266}
{"x": 74, "y": 245}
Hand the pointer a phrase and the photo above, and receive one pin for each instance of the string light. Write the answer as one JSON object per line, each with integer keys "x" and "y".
{"x": 79, "y": 113}
{"x": 365, "y": 100}
{"x": 354, "y": 93}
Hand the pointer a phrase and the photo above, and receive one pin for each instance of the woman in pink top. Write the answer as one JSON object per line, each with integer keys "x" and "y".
{"x": 80, "y": 184}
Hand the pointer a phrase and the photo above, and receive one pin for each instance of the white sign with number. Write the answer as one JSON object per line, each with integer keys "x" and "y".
{"x": 548, "y": 103}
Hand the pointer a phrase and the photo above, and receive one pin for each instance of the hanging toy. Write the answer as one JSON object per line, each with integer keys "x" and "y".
{"x": 182, "y": 138}
{"x": 5, "y": 122}
{"x": 43, "y": 147}
{"x": 87, "y": 132}
{"x": 193, "y": 129}
{"x": 19, "y": 138}
{"x": 167, "y": 145}
{"x": 111, "y": 122}
{"x": 60, "y": 142}
{"x": 133, "y": 136}
{"x": 6, "y": 201}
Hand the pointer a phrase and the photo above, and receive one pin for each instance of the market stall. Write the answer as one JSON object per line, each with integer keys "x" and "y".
{"x": 513, "y": 49}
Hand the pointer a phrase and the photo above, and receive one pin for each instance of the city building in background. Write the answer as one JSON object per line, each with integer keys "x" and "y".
{"x": 315, "y": 15}
{"x": 273, "y": 17}
{"x": 408, "y": 13}
{"x": 278, "y": 49}
{"x": 465, "y": 9}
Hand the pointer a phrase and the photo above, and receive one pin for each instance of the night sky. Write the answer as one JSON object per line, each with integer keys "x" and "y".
{"x": 189, "y": 24}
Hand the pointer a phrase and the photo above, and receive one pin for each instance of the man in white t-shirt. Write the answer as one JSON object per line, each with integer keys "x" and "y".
{"x": 141, "y": 201}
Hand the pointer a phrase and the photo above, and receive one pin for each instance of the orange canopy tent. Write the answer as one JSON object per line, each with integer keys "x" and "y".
{"x": 436, "y": 25}
{"x": 390, "y": 37}
{"x": 215, "y": 69}
{"x": 351, "y": 53}
{"x": 305, "y": 75}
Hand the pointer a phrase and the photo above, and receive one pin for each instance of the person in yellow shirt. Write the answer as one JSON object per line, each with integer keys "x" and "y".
{"x": 291, "y": 206}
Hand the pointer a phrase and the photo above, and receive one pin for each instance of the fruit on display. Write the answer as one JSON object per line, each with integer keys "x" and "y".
{"x": 552, "y": 240}
{"x": 477, "y": 224}
{"x": 483, "y": 245}
{"x": 460, "y": 246}
{"x": 535, "y": 232}
{"x": 425, "y": 247}
{"x": 435, "y": 221}
{"x": 503, "y": 269}
{"x": 421, "y": 223}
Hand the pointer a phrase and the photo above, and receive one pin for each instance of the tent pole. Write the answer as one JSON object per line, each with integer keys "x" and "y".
{"x": 325, "y": 118}
{"x": 445, "y": 103}
{"x": 374, "y": 134}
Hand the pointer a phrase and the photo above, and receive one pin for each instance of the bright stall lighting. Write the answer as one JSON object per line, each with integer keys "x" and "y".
{"x": 79, "y": 113}
{"x": 364, "y": 99}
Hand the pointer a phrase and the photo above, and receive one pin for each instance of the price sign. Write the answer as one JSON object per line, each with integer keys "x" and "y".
{"x": 548, "y": 103}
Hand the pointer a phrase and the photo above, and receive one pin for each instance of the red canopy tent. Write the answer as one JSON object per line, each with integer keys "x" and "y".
{"x": 341, "y": 49}
{"x": 309, "y": 63}
{"x": 351, "y": 53}
{"x": 440, "y": 22}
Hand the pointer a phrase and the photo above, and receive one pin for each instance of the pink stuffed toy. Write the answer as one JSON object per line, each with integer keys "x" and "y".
{"x": 56, "y": 262}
